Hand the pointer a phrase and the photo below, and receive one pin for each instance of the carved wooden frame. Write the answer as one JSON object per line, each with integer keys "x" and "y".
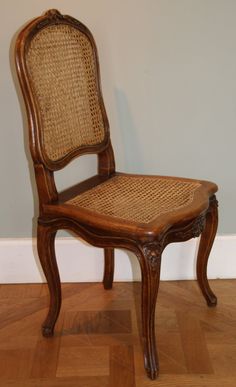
{"x": 201, "y": 218}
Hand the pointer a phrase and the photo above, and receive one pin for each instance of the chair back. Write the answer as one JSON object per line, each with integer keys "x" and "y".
{"x": 58, "y": 69}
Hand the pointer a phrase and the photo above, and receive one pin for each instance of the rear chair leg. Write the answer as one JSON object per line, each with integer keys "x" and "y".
{"x": 108, "y": 268}
{"x": 206, "y": 242}
{"x": 46, "y": 251}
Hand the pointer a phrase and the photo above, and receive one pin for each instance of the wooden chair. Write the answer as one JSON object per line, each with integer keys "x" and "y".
{"x": 58, "y": 70}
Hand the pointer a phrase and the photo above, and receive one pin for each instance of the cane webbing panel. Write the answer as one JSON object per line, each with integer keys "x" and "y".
{"x": 62, "y": 71}
{"x": 137, "y": 198}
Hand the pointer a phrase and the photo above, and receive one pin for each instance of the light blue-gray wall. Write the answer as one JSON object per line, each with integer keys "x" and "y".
{"x": 169, "y": 83}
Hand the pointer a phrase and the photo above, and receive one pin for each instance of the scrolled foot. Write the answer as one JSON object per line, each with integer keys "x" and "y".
{"x": 151, "y": 370}
{"x": 212, "y": 301}
{"x": 47, "y": 331}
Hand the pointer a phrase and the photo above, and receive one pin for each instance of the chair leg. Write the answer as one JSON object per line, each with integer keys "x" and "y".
{"x": 46, "y": 252}
{"x": 108, "y": 268}
{"x": 206, "y": 242}
{"x": 150, "y": 267}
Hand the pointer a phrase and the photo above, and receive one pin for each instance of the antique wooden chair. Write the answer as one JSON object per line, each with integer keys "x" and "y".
{"x": 58, "y": 70}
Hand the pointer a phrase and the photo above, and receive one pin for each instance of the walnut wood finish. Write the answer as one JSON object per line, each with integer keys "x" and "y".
{"x": 146, "y": 240}
{"x": 206, "y": 242}
{"x": 46, "y": 252}
{"x": 150, "y": 259}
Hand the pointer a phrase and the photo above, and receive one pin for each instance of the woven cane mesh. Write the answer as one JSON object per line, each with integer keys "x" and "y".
{"x": 62, "y": 71}
{"x": 137, "y": 198}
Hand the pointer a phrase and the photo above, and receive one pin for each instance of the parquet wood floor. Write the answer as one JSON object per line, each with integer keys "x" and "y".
{"x": 97, "y": 338}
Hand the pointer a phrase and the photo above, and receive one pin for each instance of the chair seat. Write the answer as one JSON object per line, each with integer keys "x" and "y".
{"x": 147, "y": 202}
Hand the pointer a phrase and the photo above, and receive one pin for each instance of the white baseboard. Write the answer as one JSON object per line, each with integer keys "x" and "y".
{"x": 79, "y": 262}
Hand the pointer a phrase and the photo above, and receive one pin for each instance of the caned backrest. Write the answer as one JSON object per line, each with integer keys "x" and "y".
{"x": 59, "y": 74}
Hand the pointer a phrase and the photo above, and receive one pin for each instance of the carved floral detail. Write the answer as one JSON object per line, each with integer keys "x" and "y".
{"x": 52, "y": 14}
{"x": 152, "y": 252}
{"x": 193, "y": 230}
{"x": 213, "y": 202}
{"x": 199, "y": 226}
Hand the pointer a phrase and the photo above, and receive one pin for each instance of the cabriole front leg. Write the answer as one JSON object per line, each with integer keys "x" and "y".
{"x": 206, "y": 242}
{"x": 46, "y": 251}
{"x": 150, "y": 266}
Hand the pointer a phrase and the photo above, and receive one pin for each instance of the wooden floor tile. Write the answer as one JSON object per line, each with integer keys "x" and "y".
{"x": 194, "y": 345}
{"x": 223, "y": 358}
{"x": 122, "y": 366}
{"x": 15, "y": 363}
{"x": 45, "y": 357}
{"x": 83, "y": 361}
{"x": 98, "y": 322}
{"x": 171, "y": 353}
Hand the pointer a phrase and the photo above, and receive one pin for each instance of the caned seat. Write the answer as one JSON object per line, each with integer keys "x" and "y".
{"x": 58, "y": 70}
{"x": 149, "y": 203}
{"x": 138, "y": 199}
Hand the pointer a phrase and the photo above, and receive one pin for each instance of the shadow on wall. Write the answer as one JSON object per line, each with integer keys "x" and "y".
{"x": 132, "y": 150}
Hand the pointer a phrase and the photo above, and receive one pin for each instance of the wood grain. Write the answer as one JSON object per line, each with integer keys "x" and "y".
{"x": 97, "y": 337}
